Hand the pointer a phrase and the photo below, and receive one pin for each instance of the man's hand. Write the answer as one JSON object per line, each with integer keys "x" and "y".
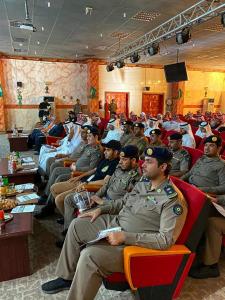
{"x": 116, "y": 238}
{"x": 59, "y": 155}
{"x": 95, "y": 199}
{"x": 73, "y": 167}
{"x": 211, "y": 198}
{"x": 94, "y": 214}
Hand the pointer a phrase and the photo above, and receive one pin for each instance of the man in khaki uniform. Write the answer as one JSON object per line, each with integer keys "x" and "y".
{"x": 152, "y": 215}
{"x": 122, "y": 181}
{"x": 181, "y": 158}
{"x": 127, "y": 132}
{"x": 138, "y": 139}
{"x": 213, "y": 240}
{"x": 208, "y": 173}
{"x": 112, "y": 107}
{"x": 155, "y": 138}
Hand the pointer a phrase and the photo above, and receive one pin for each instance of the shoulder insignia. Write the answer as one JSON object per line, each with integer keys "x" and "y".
{"x": 170, "y": 191}
{"x": 144, "y": 179}
{"x": 104, "y": 169}
{"x": 178, "y": 209}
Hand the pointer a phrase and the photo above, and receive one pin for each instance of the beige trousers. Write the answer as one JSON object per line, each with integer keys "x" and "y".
{"x": 87, "y": 268}
{"x": 214, "y": 235}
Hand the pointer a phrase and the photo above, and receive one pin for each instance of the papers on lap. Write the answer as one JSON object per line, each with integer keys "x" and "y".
{"x": 219, "y": 208}
{"x": 103, "y": 234}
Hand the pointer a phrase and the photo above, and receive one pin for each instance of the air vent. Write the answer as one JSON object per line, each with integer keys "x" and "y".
{"x": 145, "y": 16}
{"x": 17, "y": 50}
{"x": 19, "y": 40}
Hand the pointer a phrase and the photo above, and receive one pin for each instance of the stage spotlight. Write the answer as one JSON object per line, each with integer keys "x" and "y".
{"x": 153, "y": 49}
{"x": 120, "y": 63}
{"x": 135, "y": 57}
{"x": 109, "y": 67}
{"x": 183, "y": 36}
{"x": 223, "y": 19}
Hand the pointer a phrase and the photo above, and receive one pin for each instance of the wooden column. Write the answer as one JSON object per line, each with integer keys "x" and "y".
{"x": 177, "y": 92}
{"x": 93, "y": 81}
{"x": 2, "y": 106}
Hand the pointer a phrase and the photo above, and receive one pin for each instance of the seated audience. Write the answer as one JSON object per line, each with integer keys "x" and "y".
{"x": 155, "y": 138}
{"x": 204, "y": 130}
{"x": 128, "y": 131}
{"x": 142, "y": 223}
{"x": 188, "y": 139}
{"x": 138, "y": 139}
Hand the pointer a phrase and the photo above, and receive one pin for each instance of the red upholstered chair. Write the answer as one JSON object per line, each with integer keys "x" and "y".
{"x": 222, "y": 134}
{"x": 198, "y": 140}
{"x": 194, "y": 129}
{"x": 156, "y": 274}
{"x": 223, "y": 243}
{"x": 53, "y": 140}
{"x": 195, "y": 154}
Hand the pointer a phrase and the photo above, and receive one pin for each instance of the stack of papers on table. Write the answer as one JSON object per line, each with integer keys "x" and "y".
{"x": 24, "y": 187}
{"x": 27, "y": 198}
{"x": 23, "y": 209}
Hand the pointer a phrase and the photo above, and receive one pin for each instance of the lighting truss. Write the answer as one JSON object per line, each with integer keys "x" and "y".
{"x": 196, "y": 14}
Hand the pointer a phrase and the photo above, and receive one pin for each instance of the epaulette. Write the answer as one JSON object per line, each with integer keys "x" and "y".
{"x": 133, "y": 173}
{"x": 144, "y": 179}
{"x": 170, "y": 191}
{"x": 184, "y": 152}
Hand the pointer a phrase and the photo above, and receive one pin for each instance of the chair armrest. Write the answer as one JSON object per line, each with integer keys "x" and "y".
{"x": 67, "y": 162}
{"x": 92, "y": 187}
{"x": 76, "y": 174}
{"x": 139, "y": 252}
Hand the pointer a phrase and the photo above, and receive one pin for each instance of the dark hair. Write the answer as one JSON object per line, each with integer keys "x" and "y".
{"x": 169, "y": 166}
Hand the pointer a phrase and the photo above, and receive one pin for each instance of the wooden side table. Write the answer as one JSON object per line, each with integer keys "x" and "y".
{"x": 14, "y": 252}
{"x": 18, "y": 143}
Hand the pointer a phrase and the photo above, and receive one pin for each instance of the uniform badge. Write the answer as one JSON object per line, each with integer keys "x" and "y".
{"x": 151, "y": 198}
{"x": 153, "y": 131}
{"x": 170, "y": 192}
{"x": 122, "y": 154}
{"x": 178, "y": 209}
{"x": 149, "y": 151}
{"x": 105, "y": 169}
{"x": 158, "y": 190}
{"x": 214, "y": 138}
{"x": 88, "y": 131}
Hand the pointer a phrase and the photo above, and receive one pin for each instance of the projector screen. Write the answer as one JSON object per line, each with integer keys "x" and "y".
{"x": 175, "y": 72}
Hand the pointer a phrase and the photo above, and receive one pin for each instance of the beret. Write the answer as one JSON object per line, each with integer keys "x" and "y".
{"x": 159, "y": 153}
{"x": 113, "y": 144}
{"x": 139, "y": 125}
{"x": 128, "y": 122}
{"x": 213, "y": 139}
{"x": 92, "y": 130}
{"x": 176, "y": 136}
{"x": 155, "y": 131}
{"x": 130, "y": 151}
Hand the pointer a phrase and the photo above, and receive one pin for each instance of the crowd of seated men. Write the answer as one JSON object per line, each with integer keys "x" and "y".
{"x": 126, "y": 161}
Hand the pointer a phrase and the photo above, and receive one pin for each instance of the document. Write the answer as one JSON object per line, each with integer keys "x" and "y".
{"x": 219, "y": 208}
{"x": 28, "y": 159}
{"x": 23, "y": 209}
{"x": 23, "y": 187}
{"x": 103, "y": 234}
{"x": 27, "y": 198}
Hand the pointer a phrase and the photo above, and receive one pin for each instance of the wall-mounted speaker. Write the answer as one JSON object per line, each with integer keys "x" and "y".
{"x": 146, "y": 88}
{"x": 19, "y": 84}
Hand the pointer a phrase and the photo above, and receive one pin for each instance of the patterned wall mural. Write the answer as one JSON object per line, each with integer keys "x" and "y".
{"x": 66, "y": 81}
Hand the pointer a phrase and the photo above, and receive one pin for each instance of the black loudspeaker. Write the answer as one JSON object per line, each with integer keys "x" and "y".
{"x": 19, "y": 84}
{"x": 146, "y": 88}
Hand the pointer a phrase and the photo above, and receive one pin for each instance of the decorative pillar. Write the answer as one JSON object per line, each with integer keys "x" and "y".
{"x": 93, "y": 86}
{"x": 2, "y": 106}
{"x": 177, "y": 92}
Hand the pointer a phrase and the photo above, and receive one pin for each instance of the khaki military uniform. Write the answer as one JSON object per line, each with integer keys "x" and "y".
{"x": 125, "y": 137}
{"x": 140, "y": 142}
{"x": 112, "y": 107}
{"x": 214, "y": 235}
{"x": 208, "y": 174}
{"x": 118, "y": 185}
{"x": 157, "y": 144}
{"x": 181, "y": 161}
{"x": 149, "y": 218}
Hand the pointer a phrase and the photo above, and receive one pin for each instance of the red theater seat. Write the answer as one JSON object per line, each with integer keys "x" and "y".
{"x": 198, "y": 140}
{"x": 167, "y": 134}
{"x": 195, "y": 154}
{"x": 156, "y": 274}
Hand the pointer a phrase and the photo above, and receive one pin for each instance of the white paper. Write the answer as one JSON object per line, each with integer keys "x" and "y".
{"x": 28, "y": 197}
{"x": 23, "y": 209}
{"x": 104, "y": 233}
{"x": 26, "y": 186}
{"x": 27, "y": 159}
{"x": 219, "y": 208}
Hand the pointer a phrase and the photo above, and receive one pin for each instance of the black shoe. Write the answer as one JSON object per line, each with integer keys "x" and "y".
{"x": 59, "y": 243}
{"x": 205, "y": 272}
{"x": 42, "y": 200}
{"x": 60, "y": 221}
{"x": 56, "y": 285}
{"x": 45, "y": 212}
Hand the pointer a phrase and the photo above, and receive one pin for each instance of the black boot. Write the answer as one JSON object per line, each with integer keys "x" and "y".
{"x": 205, "y": 272}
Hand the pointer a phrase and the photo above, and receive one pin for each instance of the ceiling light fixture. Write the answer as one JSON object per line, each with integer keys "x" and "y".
{"x": 88, "y": 11}
{"x": 109, "y": 68}
{"x": 86, "y": 47}
{"x": 35, "y": 52}
{"x": 49, "y": 4}
{"x": 184, "y": 36}
{"x": 153, "y": 49}
{"x": 223, "y": 19}
{"x": 38, "y": 42}
{"x": 135, "y": 57}
{"x": 120, "y": 63}
{"x": 124, "y": 15}
{"x": 21, "y": 44}
{"x": 101, "y": 35}
{"x": 42, "y": 28}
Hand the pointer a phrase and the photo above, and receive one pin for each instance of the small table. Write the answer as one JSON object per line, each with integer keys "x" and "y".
{"x": 18, "y": 177}
{"x": 14, "y": 252}
{"x": 18, "y": 143}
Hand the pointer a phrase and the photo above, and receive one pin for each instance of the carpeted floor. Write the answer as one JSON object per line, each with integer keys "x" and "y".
{"x": 44, "y": 255}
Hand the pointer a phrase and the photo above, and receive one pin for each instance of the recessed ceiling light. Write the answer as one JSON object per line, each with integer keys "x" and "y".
{"x": 124, "y": 15}
{"x": 42, "y": 28}
{"x": 35, "y": 52}
{"x": 21, "y": 44}
{"x": 38, "y": 42}
{"x": 86, "y": 47}
{"x": 101, "y": 35}
{"x": 49, "y": 4}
